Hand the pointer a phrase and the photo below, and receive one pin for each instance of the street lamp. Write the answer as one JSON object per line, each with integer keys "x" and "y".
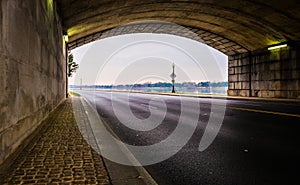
{"x": 173, "y": 78}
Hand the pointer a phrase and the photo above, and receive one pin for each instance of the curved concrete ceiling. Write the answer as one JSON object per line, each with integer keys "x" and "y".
{"x": 231, "y": 26}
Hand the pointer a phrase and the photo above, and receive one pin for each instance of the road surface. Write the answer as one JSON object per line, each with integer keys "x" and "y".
{"x": 257, "y": 143}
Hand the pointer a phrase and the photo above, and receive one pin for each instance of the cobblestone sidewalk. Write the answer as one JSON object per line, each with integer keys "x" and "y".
{"x": 57, "y": 155}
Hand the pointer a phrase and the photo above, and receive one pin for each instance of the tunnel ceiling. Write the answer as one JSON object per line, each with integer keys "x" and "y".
{"x": 231, "y": 26}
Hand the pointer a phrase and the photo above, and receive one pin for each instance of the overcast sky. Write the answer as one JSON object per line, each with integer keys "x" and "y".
{"x": 144, "y": 57}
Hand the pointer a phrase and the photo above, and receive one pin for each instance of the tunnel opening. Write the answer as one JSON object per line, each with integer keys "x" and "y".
{"x": 150, "y": 56}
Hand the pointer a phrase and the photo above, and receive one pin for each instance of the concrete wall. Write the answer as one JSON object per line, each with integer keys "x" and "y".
{"x": 273, "y": 74}
{"x": 32, "y": 68}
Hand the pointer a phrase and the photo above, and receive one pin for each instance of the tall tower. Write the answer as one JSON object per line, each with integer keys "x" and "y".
{"x": 173, "y": 78}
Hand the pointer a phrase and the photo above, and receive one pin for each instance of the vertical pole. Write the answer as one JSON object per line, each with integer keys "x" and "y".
{"x": 80, "y": 83}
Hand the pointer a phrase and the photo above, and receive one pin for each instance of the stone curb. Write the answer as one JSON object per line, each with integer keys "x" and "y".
{"x": 119, "y": 174}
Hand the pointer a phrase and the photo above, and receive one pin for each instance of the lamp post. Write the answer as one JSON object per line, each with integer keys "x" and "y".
{"x": 80, "y": 83}
{"x": 173, "y": 78}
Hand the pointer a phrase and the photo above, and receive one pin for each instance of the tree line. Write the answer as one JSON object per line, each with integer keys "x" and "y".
{"x": 159, "y": 84}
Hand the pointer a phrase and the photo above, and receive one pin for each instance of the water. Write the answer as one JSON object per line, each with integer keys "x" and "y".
{"x": 198, "y": 90}
{"x": 187, "y": 90}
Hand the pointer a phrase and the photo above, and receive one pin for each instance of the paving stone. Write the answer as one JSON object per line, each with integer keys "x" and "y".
{"x": 57, "y": 155}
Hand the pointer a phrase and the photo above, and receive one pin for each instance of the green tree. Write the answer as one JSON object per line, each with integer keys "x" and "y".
{"x": 72, "y": 66}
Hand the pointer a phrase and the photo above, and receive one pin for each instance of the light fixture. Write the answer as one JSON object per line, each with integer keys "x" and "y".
{"x": 66, "y": 38}
{"x": 277, "y": 47}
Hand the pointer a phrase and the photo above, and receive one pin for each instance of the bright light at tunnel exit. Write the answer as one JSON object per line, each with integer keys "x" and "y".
{"x": 89, "y": 61}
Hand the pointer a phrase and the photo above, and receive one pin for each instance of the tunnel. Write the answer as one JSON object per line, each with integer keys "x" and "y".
{"x": 261, "y": 39}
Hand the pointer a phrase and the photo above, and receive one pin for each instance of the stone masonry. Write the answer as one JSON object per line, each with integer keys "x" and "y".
{"x": 32, "y": 68}
{"x": 272, "y": 74}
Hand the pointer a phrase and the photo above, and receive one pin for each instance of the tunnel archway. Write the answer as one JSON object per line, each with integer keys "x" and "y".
{"x": 251, "y": 24}
{"x": 222, "y": 44}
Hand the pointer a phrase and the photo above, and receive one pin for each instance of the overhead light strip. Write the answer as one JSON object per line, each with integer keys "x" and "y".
{"x": 277, "y": 47}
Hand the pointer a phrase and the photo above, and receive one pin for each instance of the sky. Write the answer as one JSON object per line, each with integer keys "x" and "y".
{"x": 145, "y": 57}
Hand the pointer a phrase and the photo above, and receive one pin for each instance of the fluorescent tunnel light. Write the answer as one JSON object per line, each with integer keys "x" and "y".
{"x": 277, "y": 47}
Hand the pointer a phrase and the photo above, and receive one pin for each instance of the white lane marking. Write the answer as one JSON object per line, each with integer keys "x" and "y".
{"x": 148, "y": 106}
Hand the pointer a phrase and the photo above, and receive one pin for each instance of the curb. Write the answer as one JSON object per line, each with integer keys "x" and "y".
{"x": 119, "y": 174}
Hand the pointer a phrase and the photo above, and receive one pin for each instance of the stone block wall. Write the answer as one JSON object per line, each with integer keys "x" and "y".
{"x": 271, "y": 74}
{"x": 32, "y": 68}
{"x": 238, "y": 75}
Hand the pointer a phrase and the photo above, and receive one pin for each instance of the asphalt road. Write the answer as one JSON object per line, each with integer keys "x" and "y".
{"x": 257, "y": 142}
